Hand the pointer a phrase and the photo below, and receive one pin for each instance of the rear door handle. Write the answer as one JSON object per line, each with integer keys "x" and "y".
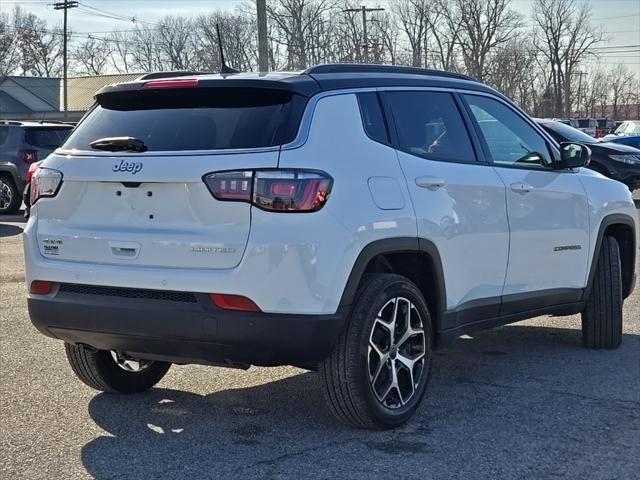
{"x": 522, "y": 188}
{"x": 431, "y": 183}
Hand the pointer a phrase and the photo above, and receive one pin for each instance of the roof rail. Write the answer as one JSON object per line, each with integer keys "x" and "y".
{"x": 10, "y": 122}
{"x": 374, "y": 68}
{"x": 177, "y": 73}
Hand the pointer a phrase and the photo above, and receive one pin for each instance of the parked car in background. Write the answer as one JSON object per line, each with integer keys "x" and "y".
{"x": 632, "y": 140}
{"x": 21, "y": 144}
{"x": 604, "y": 126}
{"x": 586, "y": 125}
{"x": 630, "y": 128}
{"x": 614, "y": 160}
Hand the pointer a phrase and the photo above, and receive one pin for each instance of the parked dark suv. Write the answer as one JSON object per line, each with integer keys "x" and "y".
{"x": 21, "y": 144}
{"x": 613, "y": 160}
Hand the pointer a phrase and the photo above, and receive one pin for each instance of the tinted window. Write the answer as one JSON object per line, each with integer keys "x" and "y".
{"x": 372, "y": 117}
{"x": 4, "y": 133}
{"x": 49, "y": 138}
{"x": 429, "y": 125}
{"x": 509, "y": 138}
{"x": 194, "y": 119}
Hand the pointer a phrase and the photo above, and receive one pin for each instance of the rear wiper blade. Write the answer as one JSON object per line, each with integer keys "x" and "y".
{"x": 119, "y": 144}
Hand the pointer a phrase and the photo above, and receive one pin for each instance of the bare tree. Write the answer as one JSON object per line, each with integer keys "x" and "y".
{"x": 9, "y": 53}
{"x": 91, "y": 56}
{"x": 511, "y": 70}
{"x": 144, "y": 52}
{"x": 120, "y": 51}
{"x": 175, "y": 43}
{"x": 443, "y": 36}
{"x": 621, "y": 82}
{"x": 485, "y": 25}
{"x": 564, "y": 37}
{"x": 294, "y": 22}
{"x": 239, "y": 34}
{"x": 412, "y": 17}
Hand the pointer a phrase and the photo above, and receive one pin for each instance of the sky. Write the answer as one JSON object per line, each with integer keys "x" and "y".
{"x": 619, "y": 19}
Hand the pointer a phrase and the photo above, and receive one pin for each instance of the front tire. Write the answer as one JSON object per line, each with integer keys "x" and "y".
{"x": 602, "y": 316}
{"x": 377, "y": 374}
{"x": 105, "y": 371}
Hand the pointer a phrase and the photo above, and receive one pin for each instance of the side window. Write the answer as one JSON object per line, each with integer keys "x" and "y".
{"x": 511, "y": 140}
{"x": 429, "y": 125}
{"x": 372, "y": 118}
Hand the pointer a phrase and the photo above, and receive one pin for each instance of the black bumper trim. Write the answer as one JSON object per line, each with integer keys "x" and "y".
{"x": 186, "y": 332}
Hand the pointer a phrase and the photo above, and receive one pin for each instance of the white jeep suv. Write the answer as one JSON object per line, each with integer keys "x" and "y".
{"x": 346, "y": 219}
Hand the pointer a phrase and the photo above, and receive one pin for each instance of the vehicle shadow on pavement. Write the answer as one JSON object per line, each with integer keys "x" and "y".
{"x": 503, "y": 403}
{"x": 9, "y": 230}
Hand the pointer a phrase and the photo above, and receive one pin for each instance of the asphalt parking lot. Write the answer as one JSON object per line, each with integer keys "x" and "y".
{"x": 524, "y": 400}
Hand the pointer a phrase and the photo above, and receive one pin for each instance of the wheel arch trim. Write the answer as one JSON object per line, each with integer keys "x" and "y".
{"x": 387, "y": 246}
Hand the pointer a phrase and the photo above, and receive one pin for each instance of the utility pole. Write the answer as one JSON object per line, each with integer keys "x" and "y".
{"x": 263, "y": 43}
{"x": 364, "y": 10}
{"x": 65, "y": 5}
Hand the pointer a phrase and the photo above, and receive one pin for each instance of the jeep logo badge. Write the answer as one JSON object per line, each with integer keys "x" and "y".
{"x": 131, "y": 167}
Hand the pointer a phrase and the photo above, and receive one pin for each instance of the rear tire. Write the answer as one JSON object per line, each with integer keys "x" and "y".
{"x": 602, "y": 316}
{"x": 377, "y": 374}
{"x": 99, "y": 370}
{"x": 9, "y": 196}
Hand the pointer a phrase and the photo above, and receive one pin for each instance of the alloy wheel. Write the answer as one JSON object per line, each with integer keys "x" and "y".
{"x": 396, "y": 353}
{"x": 5, "y": 195}
{"x": 129, "y": 364}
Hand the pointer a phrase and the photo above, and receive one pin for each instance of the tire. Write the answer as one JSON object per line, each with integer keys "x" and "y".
{"x": 9, "y": 196}
{"x": 602, "y": 315}
{"x": 346, "y": 374}
{"x": 99, "y": 370}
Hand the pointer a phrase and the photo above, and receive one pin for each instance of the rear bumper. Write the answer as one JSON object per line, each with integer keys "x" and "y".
{"x": 193, "y": 331}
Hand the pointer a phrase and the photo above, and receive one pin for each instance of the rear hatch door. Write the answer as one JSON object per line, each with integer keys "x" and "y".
{"x": 152, "y": 208}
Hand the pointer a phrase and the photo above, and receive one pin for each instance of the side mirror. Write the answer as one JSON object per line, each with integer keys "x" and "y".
{"x": 574, "y": 155}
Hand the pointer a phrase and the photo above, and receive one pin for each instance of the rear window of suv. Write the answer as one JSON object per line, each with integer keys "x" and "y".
{"x": 194, "y": 119}
{"x": 49, "y": 138}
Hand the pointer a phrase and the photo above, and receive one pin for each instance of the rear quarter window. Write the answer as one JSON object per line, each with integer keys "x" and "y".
{"x": 195, "y": 119}
{"x": 372, "y": 117}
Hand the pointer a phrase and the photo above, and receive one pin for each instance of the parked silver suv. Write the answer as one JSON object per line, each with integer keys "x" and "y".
{"x": 21, "y": 144}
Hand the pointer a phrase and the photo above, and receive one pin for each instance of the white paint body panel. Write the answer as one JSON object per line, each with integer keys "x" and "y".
{"x": 549, "y": 228}
{"x": 466, "y": 219}
{"x": 300, "y": 263}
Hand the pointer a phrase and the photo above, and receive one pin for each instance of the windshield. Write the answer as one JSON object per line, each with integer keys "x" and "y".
{"x": 566, "y": 133}
{"x": 197, "y": 119}
{"x": 629, "y": 128}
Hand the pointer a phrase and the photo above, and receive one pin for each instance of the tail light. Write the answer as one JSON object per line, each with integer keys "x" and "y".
{"x": 45, "y": 182}
{"x": 32, "y": 169}
{"x": 273, "y": 190}
{"x": 28, "y": 156}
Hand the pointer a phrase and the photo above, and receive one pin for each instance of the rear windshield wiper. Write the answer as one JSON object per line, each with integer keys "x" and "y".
{"x": 119, "y": 144}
